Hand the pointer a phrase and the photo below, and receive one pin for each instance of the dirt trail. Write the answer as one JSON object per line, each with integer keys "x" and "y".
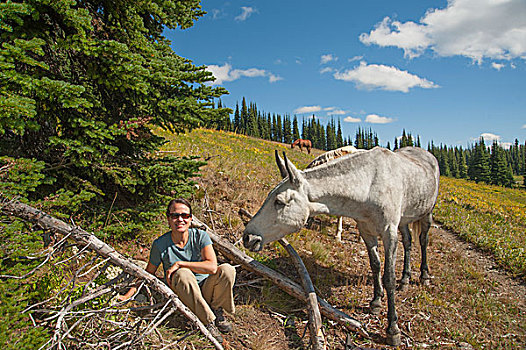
{"x": 505, "y": 284}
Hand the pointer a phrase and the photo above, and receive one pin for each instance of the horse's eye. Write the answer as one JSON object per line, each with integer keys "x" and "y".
{"x": 279, "y": 204}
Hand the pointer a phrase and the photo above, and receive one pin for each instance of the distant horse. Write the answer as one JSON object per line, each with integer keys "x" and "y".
{"x": 382, "y": 191}
{"x": 302, "y": 143}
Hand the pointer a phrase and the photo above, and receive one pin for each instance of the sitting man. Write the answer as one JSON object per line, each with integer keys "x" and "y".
{"x": 190, "y": 269}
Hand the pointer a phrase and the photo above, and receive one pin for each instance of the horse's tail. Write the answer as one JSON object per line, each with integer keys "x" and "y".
{"x": 416, "y": 229}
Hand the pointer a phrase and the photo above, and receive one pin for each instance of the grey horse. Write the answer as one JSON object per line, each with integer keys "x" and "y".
{"x": 383, "y": 191}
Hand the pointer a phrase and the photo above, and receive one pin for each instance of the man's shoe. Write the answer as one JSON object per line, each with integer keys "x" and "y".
{"x": 215, "y": 332}
{"x": 221, "y": 322}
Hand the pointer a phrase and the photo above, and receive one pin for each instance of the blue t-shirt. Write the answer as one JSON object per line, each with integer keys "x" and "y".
{"x": 166, "y": 252}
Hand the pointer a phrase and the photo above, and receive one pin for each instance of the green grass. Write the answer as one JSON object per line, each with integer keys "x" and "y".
{"x": 491, "y": 217}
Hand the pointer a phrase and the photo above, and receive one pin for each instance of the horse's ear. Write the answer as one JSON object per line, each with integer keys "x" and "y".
{"x": 294, "y": 174}
{"x": 281, "y": 165}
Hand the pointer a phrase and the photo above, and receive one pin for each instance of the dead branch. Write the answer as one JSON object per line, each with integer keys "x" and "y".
{"x": 315, "y": 325}
{"x": 231, "y": 252}
{"x": 84, "y": 238}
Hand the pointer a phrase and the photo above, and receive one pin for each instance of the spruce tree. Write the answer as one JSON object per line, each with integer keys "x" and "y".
{"x": 295, "y": 129}
{"x": 237, "y": 120}
{"x": 479, "y": 166}
{"x": 330, "y": 136}
{"x": 462, "y": 166}
{"x": 279, "y": 129}
{"x": 287, "y": 130}
{"x": 274, "y": 127}
{"x": 83, "y": 82}
{"x": 339, "y": 135}
{"x": 244, "y": 117}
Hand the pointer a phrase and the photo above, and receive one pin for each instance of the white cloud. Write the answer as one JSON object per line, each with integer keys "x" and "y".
{"x": 488, "y": 137}
{"x": 327, "y": 58}
{"x": 337, "y": 112}
{"x": 355, "y": 58}
{"x": 478, "y": 29}
{"x": 307, "y": 109}
{"x": 352, "y": 120}
{"x": 497, "y": 66}
{"x": 524, "y": 126}
{"x": 273, "y": 78}
{"x": 225, "y": 73}
{"x": 376, "y": 119}
{"x": 245, "y": 13}
{"x": 506, "y": 145}
{"x": 374, "y": 76}
{"x": 326, "y": 70}
{"x": 217, "y": 14}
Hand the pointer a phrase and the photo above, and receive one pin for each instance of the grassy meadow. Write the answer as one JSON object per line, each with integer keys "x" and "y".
{"x": 491, "y": 217}
{"x": 464, "y": 306}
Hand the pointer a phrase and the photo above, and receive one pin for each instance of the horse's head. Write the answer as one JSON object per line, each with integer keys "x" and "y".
{"x": 285, "y": 210}
{"x": 295, "y": 143}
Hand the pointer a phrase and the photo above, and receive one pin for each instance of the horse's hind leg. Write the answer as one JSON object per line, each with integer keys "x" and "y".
{"x": 407, "y": 240}
{"x": 374, "y": 260}
{"x": 424, "y": 240}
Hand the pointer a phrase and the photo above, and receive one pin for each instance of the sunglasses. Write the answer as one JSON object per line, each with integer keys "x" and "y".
{"x": 176, "y": 216}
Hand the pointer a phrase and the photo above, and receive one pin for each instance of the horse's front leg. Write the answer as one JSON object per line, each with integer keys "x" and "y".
{"x": 390, "y": 241}
{"x": 374, "y": 260}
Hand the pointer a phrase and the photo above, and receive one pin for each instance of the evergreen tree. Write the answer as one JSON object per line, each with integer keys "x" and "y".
{"x": 274, "y": 128}
{"x": 287, "y": 130}
{"x": 359, "y": 141}
{"x": 237, "y": 120}
{"x": 443, "y": 161}
{"x": 452, "y": 163}
{"x": 269, "y": 127}
{"x": 82, "y": 82}
{"x": 330, "y": 136}
{"x": 244, "y": 117}
{"x": 321, "y": 140}
{"x": 295, "y": 129}
{"x": 479, "y": 166}
{"x": 339, "y": 135}
{"x": 462, "y": 166}
{"x": 279, "y": 129}
{"x": 501, "y": 173}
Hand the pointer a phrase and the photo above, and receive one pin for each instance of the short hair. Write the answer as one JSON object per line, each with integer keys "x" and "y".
{"x": 181, "y": 201}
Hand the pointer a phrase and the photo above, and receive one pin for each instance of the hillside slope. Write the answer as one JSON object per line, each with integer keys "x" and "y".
{"x": 470, "y": 303}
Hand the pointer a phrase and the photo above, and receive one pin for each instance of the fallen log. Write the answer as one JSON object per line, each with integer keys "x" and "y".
{"x": 82, "y": 237}
{"x": 286, "y": 284}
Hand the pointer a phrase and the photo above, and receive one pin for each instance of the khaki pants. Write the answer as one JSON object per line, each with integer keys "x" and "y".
{"x": 216, "y": 291}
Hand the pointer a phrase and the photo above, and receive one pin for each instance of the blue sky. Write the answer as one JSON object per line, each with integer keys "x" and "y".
{"x": 448, "y": 71}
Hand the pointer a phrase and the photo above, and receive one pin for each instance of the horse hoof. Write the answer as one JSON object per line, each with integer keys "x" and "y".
{"x": 394, "y": 339}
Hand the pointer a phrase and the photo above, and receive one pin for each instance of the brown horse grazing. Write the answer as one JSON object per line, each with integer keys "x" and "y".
{"x": 302, "y": 143}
